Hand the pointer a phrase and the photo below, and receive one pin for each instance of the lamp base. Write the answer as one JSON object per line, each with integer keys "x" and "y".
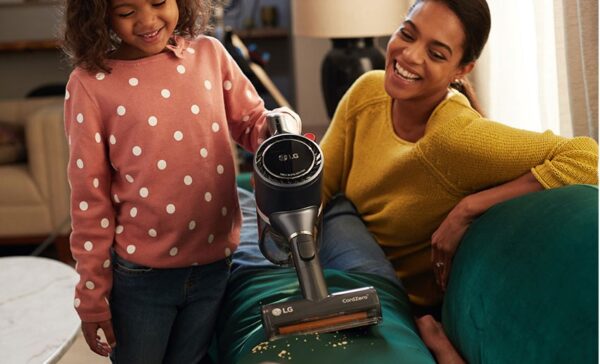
{"x": 344, "y": 63}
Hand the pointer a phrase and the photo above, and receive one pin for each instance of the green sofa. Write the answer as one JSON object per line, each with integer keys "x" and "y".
{"x": 523, "y": 289}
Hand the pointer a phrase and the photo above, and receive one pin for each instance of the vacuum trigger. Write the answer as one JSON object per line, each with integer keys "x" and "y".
{"x": 306, "y": 248}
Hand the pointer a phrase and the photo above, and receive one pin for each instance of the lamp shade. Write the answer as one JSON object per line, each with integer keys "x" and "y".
{"x": 347, "y": 18}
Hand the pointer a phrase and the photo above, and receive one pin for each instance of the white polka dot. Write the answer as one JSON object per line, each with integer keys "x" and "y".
{"x": 88, "y": 245}
{"x": 246, "y": 118}
{"x": 79, "y": 163}
{"x": 204, "y": 152}
{"x": 178, "y": 135}
{"x": 67, "y": 95}
{"x": 208, "y": 196}
{"x": 211, "y": 238}
{"x": 249, "y": 94}
{"x": 119, "y": 229}
{"x": 215, "y": 127}
{"x": 100, "y": 76}
{"x": 144, "y": 192}
{"x": 133, "y": 81}
{"x": 129, "y": 178}
{"x": 112, "y": 139}
{"x": 130, "y": 249}
{"x": 170, "y": 208}
{"x": 207, "y": 84}
{"x": 106, "y": 300}
{"x": 192, "y": 225}
{"x": 220, "y": 169}
{"x": 224, "y": 211}
{"x": 137, "y": 151}
{"x": 165, "y": 93}
{"x": 97, "y": 137}
{"x": 260, "y": 140}
{"x": 104, "y": 223}
{"x": 79, "y": 118}
{"x": 83, "y": 206}
{"x": 187, "y": 180}
{"x": 161, "y": 164}
{"x": 152, "y": 121}
{"x": 116, "y": 198}
{"x": 77, "y": 302}
{"x": 248, "y": 130}
{"x": 190, "y": 50}
{"x": 133, "y": 212}
{"x": 96, "y": 183}
{"x": 181, "y": 69}
{"x": 90, "y": 285}
{"x": 173, "y": 252}
{"x": 227, "y": 252}
{"x": 152, "y": 233}
{"x": 195, "y": 263}
{"x": 227, "y": 85}
{"x": 106, "y": 263}
{"x": 195, "y": 109}
{"x": 121, "y": 110}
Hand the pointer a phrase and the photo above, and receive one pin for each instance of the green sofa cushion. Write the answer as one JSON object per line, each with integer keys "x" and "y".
{"x": 241, "y": 337}
{"x": 524, "y": 281}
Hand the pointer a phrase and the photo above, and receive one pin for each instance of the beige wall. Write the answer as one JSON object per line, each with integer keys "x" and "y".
{"x": 20, "y": 72}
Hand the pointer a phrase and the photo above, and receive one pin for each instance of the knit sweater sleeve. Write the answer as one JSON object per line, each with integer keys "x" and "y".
{"x": 470, "y": 153}
{"x": 246, "y": 113}
{"x": 333, "y": 145}
{"x": 92, "y": 213}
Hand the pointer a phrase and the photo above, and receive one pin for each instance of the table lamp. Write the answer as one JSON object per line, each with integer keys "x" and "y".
{"x": 351, "y": 25}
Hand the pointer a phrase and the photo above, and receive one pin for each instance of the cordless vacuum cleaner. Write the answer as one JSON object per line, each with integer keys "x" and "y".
{"x": 287, "y": 174}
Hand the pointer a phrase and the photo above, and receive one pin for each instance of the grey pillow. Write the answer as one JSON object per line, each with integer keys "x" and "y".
{"x": 12, "y": 144}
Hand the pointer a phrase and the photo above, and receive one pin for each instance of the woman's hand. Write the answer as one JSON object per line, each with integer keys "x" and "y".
{"x": 445, "y": 241}
{"x": 94, "y": 341}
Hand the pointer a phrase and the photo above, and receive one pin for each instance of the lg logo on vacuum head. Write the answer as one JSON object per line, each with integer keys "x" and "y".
{"x": 279, "y": 311}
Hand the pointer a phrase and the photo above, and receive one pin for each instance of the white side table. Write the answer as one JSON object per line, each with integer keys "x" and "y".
{"x": 37, "y": 320}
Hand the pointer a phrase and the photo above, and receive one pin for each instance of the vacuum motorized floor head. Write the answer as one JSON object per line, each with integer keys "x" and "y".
{"x": 287, "y": 174}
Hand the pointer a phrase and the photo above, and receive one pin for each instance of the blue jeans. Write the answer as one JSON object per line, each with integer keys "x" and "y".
{"x": 346, "y": 243}
{"x": 165, "y": 315}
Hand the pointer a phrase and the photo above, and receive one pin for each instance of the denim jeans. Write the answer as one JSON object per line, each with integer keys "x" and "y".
{"x": 346, "y": 244}
{"x": 165, "y": 315}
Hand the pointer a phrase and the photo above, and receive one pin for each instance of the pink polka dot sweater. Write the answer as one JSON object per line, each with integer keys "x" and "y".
{"x": 151, "y": 169}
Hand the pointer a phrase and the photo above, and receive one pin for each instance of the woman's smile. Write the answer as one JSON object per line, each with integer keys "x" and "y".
{"x": 405, "y": 74}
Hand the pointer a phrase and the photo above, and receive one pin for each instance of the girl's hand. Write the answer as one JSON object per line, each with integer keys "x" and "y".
{"x": 445, "y": 241}
{"x": 94, "y": 341}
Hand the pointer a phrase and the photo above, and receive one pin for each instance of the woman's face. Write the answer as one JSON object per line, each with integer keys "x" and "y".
{"x": 144, "y": 26}
{"x": 423, "y": 55}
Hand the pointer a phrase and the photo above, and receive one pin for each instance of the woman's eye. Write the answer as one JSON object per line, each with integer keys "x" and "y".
{"x": 125, "y": 15}
{"x": 160, "y": 3}
{"x": 438, "y": 55}
{"x": 405, "y": 35}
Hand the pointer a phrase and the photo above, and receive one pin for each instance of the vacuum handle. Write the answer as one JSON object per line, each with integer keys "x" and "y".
{"x": 308, "y": 268}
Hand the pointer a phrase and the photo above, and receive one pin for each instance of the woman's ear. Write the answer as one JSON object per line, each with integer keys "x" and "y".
{"x": 464, "y": 70}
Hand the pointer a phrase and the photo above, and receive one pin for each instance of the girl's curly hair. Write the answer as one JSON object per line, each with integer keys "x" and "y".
{"x": 87, "y": 35}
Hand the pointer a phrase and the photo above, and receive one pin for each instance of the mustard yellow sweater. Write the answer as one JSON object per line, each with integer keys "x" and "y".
{"x": 404, "y": 190}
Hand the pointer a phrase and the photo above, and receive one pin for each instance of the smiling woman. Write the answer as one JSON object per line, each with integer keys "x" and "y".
{"x": 434, "y": 162}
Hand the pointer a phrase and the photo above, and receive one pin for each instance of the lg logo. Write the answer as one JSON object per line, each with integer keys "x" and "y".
{"x": 279, "y": 311}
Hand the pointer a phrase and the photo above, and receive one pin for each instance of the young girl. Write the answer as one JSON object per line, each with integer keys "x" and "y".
{"x": 149, "y": 113}
{"x": 437, "y": 163}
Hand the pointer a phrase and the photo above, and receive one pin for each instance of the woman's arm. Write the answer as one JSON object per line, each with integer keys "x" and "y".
{"x": 446, "y": 238}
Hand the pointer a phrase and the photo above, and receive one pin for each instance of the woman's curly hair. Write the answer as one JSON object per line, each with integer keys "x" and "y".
{"x": 88, "y": 38}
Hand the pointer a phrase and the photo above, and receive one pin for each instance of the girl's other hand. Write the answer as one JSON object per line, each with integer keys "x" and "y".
{"x": 94, "y": 341}
{"x": 445, "y": 241}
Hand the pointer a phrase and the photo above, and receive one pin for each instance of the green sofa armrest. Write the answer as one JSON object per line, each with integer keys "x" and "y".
{"x": 524, "y": 281}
